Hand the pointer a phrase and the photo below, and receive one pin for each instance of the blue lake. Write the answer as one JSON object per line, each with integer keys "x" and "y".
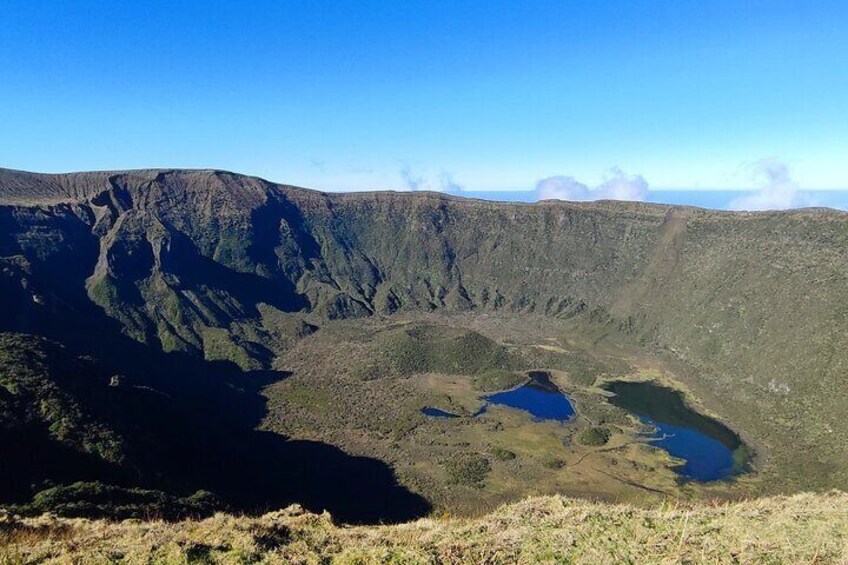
{"x": 710, "y": 450}
{"x": 706, "y": 459}
{"x": 540, "y": 397}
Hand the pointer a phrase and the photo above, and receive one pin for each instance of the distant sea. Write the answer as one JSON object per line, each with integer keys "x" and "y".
{"x": 714, "y": 199}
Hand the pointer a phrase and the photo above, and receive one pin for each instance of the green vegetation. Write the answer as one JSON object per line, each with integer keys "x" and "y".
{"x": 310, "y": 398}
{"x": 439, "y": 349}
{"x": 43, "y": 388}
{"x": 594, "y": 436}
{"x": 502, "y": 454}
{"x": 219, "y": 345}
{"x": 284, "y": 328}
{"x": 468, "y": 469}
{"x": 582, "y": 367}
{"x": 495, "y": 379}
{"x": 96, "y": 500}
{"x": 553, "y": 463}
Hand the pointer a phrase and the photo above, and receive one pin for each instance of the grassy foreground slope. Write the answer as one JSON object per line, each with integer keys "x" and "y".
{"x": 803, "y": 528}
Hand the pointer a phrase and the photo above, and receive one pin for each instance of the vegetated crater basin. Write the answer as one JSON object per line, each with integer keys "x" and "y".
{"x": 710, "y": 450}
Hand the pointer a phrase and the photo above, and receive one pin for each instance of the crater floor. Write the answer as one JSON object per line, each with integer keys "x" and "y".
{"x": 362, "y": 385}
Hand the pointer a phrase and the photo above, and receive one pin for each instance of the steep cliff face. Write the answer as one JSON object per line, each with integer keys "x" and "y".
{"x": 169, "y": 253}
{"x": 201, "y": 261}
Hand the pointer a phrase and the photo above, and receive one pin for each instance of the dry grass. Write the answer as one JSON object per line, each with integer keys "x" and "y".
{"x": 804, "y": 528}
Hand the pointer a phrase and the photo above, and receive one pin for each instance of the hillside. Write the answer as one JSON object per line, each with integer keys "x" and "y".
{"x": 199, "y": 289}
{"x": 797, "y": 529}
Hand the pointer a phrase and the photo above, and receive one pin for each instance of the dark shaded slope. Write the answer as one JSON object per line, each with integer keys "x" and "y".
{"x": 180, "y": 429}
{"x": 177, "y": 423}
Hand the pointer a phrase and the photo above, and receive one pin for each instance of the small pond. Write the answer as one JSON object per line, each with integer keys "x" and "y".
{"x": 709, "y": 449}
{"x": 539, "y": 396}
{"x": 436, "y": 413}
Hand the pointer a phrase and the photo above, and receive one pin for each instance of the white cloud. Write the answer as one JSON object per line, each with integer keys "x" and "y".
{"x": 561, "y": 188}
{"x": 443, "y": 182}
{"x": 617, "y": 186}
{"x": 778, "y": 191}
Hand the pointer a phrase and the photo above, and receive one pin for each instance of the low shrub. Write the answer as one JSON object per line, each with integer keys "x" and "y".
{"x": 502, "y": 454}
{"x": 468, "y": 469}
{"x": 98, "y": 500}
{"x": 594, "y": 436}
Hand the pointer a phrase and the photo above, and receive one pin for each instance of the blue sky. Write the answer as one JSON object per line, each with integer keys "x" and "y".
{"x": 445, "y": 95}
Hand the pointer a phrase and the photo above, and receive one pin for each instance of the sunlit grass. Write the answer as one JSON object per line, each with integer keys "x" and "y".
{"x": 804, "y": 528}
